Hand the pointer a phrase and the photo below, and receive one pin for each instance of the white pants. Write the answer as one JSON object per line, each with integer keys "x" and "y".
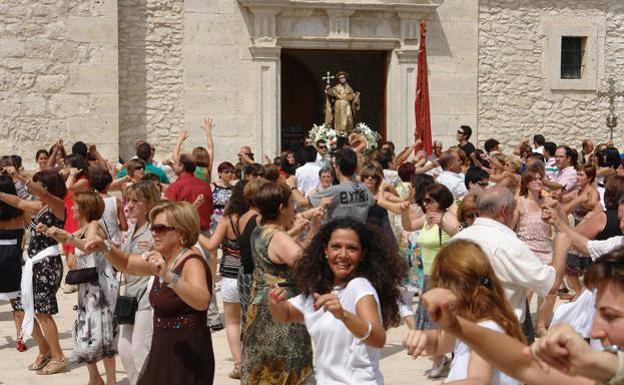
{"x": 134, "y": 343}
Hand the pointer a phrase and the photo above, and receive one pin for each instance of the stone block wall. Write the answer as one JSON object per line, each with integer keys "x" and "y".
{"x": 151, "y": 73}
{"x": 515, "y": 100}
{"x": 58, "y": 75}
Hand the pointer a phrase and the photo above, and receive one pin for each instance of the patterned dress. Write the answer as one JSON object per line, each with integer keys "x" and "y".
{"x": 220, "y": 199}
{"x": 48, "y": 273}
{"x": 95, "y": 329}
{"x": 533, "y": 231}
{"x": 273, "y": 353}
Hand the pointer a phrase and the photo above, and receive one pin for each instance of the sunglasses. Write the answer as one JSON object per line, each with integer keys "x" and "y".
{"x": 370, "y": 177}
{"x": 483, "y": 184}
{"x": 139, "y": 168}
{"x": 428, "y": 201}
{"x": 460, "y": 132}
{"x": 322, "y": 147}
{"x": 158, "y": 228}
{"x": 227, "y": 172}
{"x": 472, "y": 215}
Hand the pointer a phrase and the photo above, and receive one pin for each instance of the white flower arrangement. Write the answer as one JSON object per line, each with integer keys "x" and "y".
{"x": 361, "y": 131}
{"x": 323, "y": 131}
{"x": 372, "y": 137}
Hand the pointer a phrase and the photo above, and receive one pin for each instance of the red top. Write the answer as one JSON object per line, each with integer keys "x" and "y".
{"x": 187, "y": 188}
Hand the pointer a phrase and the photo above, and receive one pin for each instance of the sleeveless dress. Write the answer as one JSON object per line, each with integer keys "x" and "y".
{"x": 48, "y": 273}
{"x": 181, "y": 352}
{"x": 95, "y": 329}
{"x": 10, "y": 263}
{"x": 534, "y": 232}
{"x": 273, "y": 353}
{"x": 431, "y": 241}
{"x": 220, "y": 199}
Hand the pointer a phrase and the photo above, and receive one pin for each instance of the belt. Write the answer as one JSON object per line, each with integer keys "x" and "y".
{"x": 185, "y": 321}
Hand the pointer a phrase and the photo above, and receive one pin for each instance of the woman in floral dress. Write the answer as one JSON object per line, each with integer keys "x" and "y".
{"x": 95, "y": 329}
{"x": 47, "y": 272}
{"x": 274, "y": 353}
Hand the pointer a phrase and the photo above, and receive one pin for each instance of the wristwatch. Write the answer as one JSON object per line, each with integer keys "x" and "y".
{"x": 618, "y": 378}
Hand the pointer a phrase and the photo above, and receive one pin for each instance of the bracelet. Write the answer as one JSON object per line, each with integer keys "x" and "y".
{"x": 367, "y": 334}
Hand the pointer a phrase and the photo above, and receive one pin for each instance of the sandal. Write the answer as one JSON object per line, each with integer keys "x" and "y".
{"x": 235, "y": 374}
{"x": 54, "y": 367}
{"x": 39, "y": 363}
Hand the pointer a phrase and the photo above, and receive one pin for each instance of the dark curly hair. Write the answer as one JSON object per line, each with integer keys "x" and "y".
{"x": 380, "y": 264}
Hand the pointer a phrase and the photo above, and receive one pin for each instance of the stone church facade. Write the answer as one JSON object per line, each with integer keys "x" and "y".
{"x": 115, "y": 71}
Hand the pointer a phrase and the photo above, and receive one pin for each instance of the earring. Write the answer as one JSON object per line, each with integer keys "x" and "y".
{"x": 326, "y": 256}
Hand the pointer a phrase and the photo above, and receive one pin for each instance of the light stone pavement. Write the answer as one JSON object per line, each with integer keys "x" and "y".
{"x": 397, "y": 368}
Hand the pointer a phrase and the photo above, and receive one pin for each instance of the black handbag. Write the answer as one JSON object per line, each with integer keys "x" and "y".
{"x": 76, "y": 277}
{"x": 126, "y": 307}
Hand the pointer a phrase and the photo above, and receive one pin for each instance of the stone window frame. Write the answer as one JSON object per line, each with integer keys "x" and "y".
{"x": 591, "y": 28}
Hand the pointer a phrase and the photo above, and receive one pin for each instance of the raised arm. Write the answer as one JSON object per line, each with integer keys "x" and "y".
{"x": 182, "y": 136}
{"x": 208, "y": 126}
{"x": 98, "y": 157}
{"x": 284, "y": 250}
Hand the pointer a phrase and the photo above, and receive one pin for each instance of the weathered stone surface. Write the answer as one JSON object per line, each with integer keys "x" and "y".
{"x": 514, "y": 98}
{"x": 58, "y": 59}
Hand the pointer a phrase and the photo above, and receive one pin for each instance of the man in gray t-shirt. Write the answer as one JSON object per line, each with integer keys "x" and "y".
{"x": 349, "y": 198}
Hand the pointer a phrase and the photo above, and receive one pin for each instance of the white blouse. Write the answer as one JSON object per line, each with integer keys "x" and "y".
{"x": 341, "y": 358}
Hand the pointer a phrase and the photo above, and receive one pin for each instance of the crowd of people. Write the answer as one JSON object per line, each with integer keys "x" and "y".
{"x": 324, "y": 246}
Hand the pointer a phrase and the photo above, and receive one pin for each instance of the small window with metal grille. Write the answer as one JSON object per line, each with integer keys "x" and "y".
{"x": 572, "y": 56}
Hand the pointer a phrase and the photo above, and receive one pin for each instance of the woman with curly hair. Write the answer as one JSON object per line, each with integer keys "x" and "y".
{"x": 351, "y": 272}
{"x": 463, "y": 268}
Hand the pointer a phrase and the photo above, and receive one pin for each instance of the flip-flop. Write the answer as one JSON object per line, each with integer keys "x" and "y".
{"x": 39, "y": 363}
{"x": 54, "y": 367}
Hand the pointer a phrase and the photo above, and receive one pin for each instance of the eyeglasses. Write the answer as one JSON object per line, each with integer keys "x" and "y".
{"x": 158, "y": 228}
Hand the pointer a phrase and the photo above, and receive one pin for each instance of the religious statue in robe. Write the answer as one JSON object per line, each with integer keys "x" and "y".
{"x": 341, "y": 104}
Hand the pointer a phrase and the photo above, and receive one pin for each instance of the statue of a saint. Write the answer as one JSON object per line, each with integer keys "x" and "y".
{"x": 345, "y": 103}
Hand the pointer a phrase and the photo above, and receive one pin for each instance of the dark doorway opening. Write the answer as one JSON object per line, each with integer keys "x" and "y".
{"x": 302, "y": 89}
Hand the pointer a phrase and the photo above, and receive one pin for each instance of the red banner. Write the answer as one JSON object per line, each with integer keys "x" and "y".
{"x": 422, "y": 108}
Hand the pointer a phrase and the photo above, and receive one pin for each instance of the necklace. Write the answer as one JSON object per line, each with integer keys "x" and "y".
{"x": 175, "y": 259}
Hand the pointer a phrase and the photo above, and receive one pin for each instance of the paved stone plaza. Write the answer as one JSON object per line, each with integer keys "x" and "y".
{"x": 397, "y": 368}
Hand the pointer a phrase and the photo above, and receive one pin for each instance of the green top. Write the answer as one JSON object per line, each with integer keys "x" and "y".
{"x": 202, "y": 173}
{"x": 149, "y": 167}
{"x": 431, "y": 241}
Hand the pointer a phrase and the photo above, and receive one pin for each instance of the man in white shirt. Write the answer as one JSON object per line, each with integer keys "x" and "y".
{"x": 307, "y": 176}
{"x": 451, "y": 175}
{"x": 322, "y": 154}
{"x": 518, "y": 269}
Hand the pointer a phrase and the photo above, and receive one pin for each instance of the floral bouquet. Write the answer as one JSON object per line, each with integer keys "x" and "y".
{"x": 324, "y": 132}
{"x": 369, "y": 136}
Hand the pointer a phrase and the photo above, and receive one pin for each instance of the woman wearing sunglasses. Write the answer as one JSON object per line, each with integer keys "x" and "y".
{"x": 535, "y": 232}
{"x": 135, "y": 339}
{"x": 436, "y": 226}
{"x": 181, "y": 350}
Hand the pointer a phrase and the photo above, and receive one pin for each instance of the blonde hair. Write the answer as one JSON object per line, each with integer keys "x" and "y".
{"x": 463, "y": 268}
{"x": 180, "y": 215}
{"x": 144, "y": 190}
{"x": 90, "y": 204}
